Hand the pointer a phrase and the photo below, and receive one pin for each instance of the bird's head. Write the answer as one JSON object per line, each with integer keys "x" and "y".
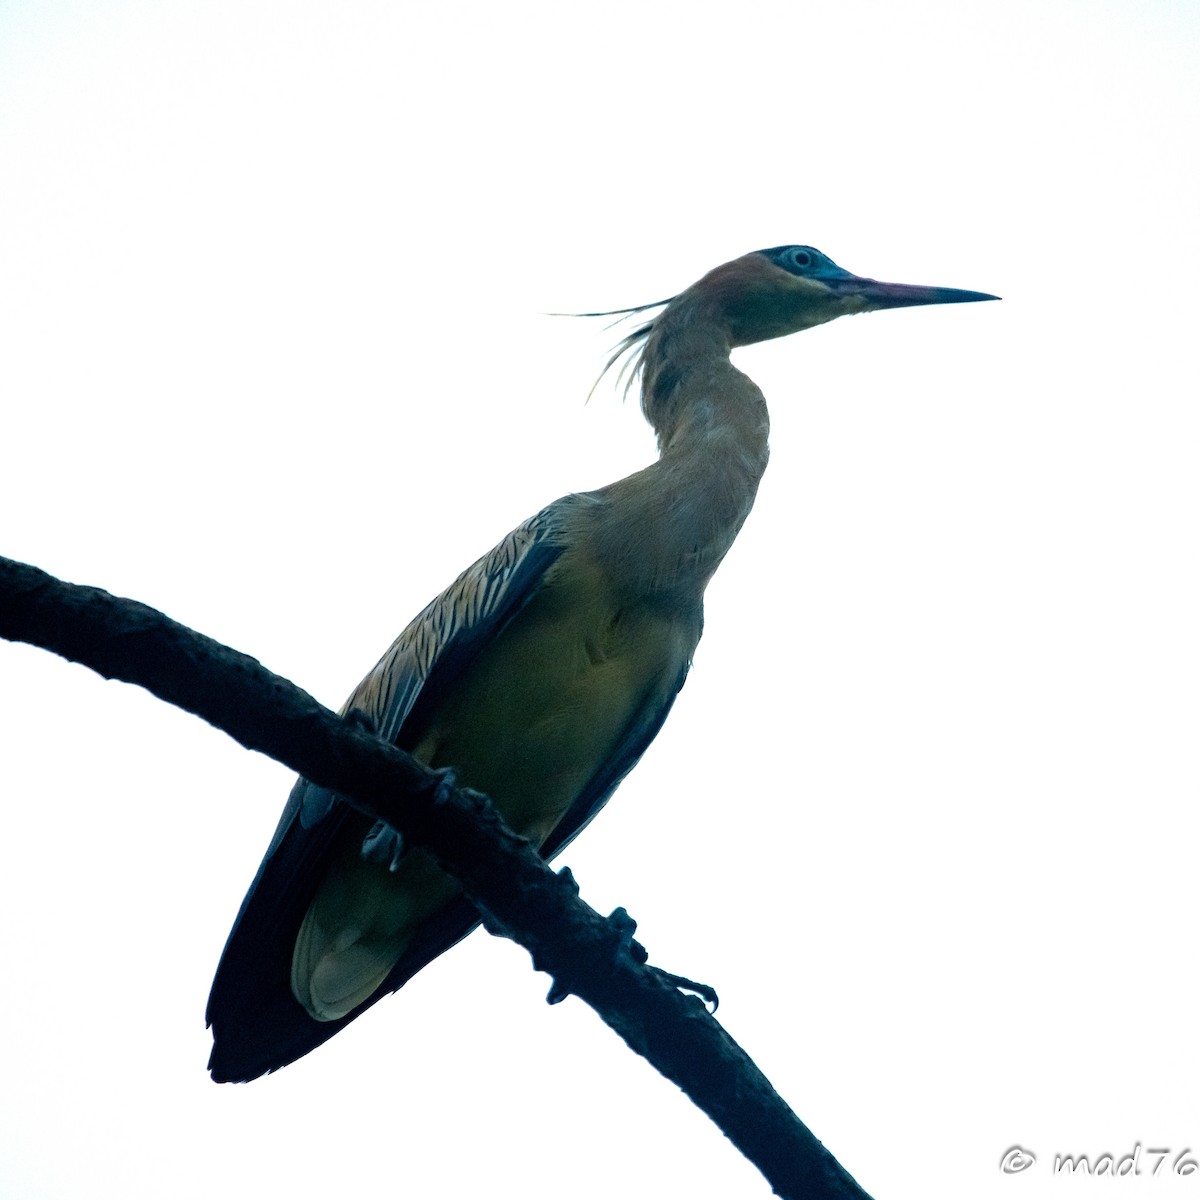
{"x": 762, "y": 295}
{"x": 786, "y": 289}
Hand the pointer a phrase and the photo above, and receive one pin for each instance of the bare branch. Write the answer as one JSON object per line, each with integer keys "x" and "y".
{"x": 516, "y": 893}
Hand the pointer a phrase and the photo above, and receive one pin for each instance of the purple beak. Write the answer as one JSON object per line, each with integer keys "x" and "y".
{"x": 901, "y": 295}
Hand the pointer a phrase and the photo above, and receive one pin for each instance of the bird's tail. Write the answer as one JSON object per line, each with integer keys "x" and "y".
{"x": 358, "y": 926}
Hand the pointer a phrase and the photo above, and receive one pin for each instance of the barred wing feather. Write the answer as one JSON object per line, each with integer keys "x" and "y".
{"x": 257, "y": 1024}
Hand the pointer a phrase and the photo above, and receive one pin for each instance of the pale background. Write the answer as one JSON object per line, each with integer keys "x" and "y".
{"x": 273, "y": 359}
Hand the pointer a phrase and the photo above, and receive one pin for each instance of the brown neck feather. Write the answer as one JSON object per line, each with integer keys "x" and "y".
{"x": 669, "y": 526}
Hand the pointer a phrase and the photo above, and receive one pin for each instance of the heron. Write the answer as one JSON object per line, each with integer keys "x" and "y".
{"x": 540, "y": 675}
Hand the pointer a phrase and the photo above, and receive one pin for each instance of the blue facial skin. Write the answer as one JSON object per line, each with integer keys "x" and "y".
{"x": 806, "y": 262}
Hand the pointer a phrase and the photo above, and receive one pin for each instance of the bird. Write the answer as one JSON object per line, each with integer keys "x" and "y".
{"x": 540, "y": 676}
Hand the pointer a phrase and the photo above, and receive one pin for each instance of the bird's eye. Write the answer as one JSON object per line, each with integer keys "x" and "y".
{"x": 800, "y": 258}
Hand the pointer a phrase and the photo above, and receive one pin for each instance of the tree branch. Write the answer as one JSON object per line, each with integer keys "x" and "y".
{"x": 517, "y": 894}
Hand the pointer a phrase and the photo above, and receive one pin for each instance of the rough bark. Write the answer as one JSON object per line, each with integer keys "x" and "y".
{"x": 517, "y": 894}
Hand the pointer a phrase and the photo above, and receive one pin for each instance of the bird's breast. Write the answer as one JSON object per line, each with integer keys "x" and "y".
{"x": 542, "y": 708}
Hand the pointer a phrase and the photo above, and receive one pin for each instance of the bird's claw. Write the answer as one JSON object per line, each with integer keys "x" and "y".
{"x": 621, "y": 926}
{"x": 702, "y": 990}
{"x": 385, "y": 846}
{"x": 360, "y": 720}
{"x": 621, "y": 930}
{"x": 624, "y": 926}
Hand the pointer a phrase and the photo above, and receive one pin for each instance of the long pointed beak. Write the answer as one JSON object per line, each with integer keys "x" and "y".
{"x": 875, "y": 294}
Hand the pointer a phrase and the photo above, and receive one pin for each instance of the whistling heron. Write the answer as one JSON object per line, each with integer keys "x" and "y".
{"x": 540, "y": 675}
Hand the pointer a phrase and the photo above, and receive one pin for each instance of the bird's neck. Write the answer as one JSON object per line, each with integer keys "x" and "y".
{"x": 675, "y": 520}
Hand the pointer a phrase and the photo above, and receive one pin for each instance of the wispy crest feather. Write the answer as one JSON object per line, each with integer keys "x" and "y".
{"x": 630, "y": 347}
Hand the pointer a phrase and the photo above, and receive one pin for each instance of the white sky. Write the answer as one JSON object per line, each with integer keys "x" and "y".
{"x": 271, "y": 278}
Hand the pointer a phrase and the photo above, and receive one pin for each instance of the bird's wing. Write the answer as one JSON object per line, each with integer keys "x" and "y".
{"x": 257, "y": 1024}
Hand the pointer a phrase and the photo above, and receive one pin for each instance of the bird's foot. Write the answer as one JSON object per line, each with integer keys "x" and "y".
{"x": 702, "y": 990}
{"x": 621, "y": 920}
{"x": 622, "y": 927}
{"x": 385, "y": 846}
{"x": 558, "y": 992}
{"x": 360, "y": 720}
